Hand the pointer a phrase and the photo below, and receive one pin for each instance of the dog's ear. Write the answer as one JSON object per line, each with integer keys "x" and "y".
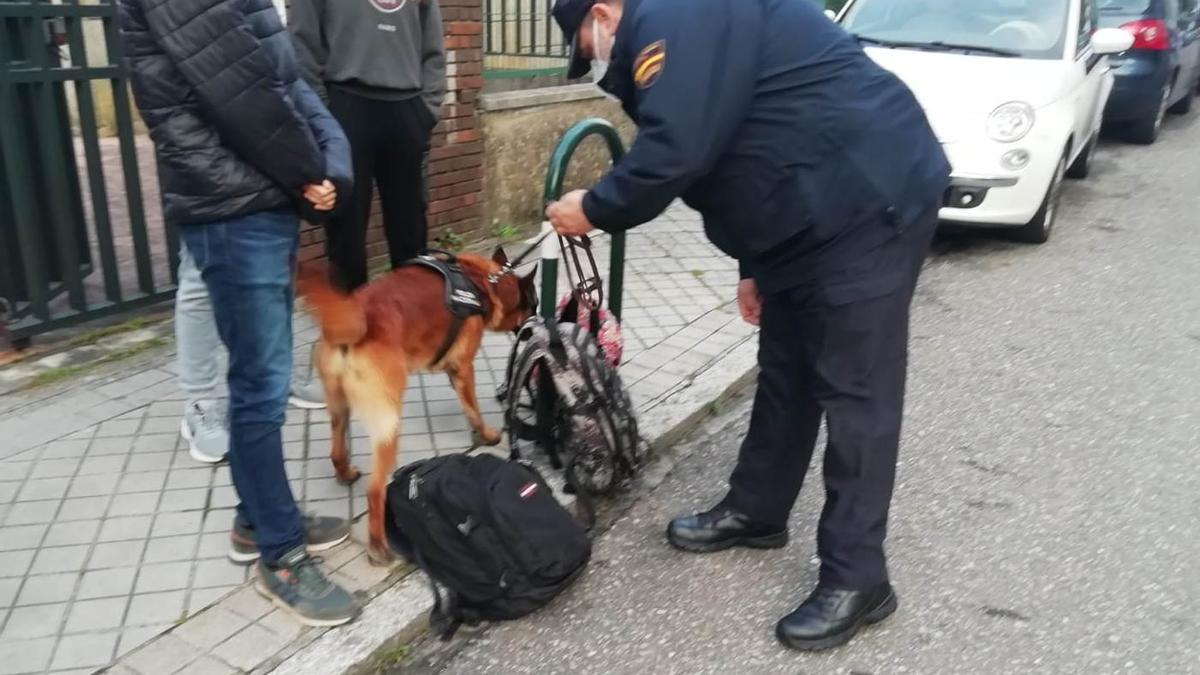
{"x": 528, "y": 288}
{"x": 499, "y": 256}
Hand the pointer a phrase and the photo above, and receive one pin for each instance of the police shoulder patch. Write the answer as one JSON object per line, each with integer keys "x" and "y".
{"x": 649, "y": 64}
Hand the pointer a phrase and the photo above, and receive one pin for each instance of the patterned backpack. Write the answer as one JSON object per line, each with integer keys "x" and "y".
{"x": 599, "y": 322}
{"x": 586, "y": 426}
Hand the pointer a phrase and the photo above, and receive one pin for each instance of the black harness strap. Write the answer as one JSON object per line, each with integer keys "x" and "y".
{"x": 463, "y": 297}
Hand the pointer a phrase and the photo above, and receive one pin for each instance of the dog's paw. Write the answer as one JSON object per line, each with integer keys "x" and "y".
{"x": 380, "y": 555}
{"x": 349, "y": 476}
{"x": 487, "y": 436}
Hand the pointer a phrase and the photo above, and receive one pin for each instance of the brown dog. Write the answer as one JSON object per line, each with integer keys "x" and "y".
{"x": 374, "y": 339}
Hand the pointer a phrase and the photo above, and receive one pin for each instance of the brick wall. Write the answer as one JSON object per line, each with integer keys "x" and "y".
{"x": 456, "y": 160}
{"x": 456, "y": 157}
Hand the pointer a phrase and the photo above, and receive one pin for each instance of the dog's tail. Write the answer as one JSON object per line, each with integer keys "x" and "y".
{"x": 341, "y": 317}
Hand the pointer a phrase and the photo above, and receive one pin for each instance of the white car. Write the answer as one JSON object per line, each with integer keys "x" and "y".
{"x": 1014, "y": 89}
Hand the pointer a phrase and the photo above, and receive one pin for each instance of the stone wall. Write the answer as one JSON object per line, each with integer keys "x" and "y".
{"x": 520, "y": 131}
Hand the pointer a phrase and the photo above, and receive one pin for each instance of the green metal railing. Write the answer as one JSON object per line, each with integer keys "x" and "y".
{"x": 46, "y": 244}
{"x": 556, "y": 175}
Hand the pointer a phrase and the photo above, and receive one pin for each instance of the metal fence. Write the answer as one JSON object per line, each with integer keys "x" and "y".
{"x": 520, "y": 35}
{"x": 60, "y": 222}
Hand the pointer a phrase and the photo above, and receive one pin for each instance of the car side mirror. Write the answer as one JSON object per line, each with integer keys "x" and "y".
{"x": 1111, "y": 41}
{"x": 831, "y": 14}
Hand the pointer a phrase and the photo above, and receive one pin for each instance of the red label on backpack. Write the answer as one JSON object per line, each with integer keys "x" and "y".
{"x": 528, "y": 491}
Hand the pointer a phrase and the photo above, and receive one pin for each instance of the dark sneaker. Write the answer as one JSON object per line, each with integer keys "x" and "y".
{"x": 320, "y": 534}
{"x": 297, "y": 585}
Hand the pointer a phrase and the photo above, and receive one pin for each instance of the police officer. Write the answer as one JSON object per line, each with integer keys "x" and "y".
{"x": 818, "y": 171}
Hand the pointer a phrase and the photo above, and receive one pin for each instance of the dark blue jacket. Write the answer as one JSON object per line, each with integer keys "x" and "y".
{"x": 799, "y": 151}
{"x": 235, "y": 131}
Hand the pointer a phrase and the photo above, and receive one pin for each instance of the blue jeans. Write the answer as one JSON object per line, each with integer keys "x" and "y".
{"x": 247, "y": 265}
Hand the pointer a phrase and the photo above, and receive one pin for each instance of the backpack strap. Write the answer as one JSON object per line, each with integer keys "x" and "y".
{"x": 525, "y": 355}
{"x": 519, "y": 375}
{"x": 582, "y": 497}
{"x": 547, "y": 395}
{"x": 556, "y": 348}
{"x": 444, "y": 618}
{"x": 521, "y": 353}
{"x": 603, "y": 381}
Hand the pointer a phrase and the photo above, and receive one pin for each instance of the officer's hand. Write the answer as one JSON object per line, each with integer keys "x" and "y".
{"x": 567, "y": 216}
{"x": 749, "y": 301}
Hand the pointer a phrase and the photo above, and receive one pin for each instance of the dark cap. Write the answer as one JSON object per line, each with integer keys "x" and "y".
{"x": 570, "y": 15}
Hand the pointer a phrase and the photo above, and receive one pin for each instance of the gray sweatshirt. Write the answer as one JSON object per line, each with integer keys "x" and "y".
{"x": 389, "y": 49}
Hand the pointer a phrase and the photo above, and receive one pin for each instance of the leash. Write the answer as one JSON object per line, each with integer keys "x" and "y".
{"x": 511, "y": 266}
{"x": 587, "y": 288}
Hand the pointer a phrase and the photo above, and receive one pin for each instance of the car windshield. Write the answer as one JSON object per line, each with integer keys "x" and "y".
{"x": 1125, "y": 7}
{"x": 1034, "y": 29}
{"x": 1114, "y": 13}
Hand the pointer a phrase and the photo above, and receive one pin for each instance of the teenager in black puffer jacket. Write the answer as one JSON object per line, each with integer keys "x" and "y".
{"x": 243, "y": 147}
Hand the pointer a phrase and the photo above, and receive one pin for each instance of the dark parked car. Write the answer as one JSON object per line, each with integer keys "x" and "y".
{"x": 1159, "y": 75}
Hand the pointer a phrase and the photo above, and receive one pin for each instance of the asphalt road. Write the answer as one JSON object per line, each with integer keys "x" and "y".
{"x": 1047, "y": 518}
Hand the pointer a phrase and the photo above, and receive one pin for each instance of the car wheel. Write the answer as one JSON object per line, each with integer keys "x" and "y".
{"x": 1082, "y": 166}
{"x": 1145, "y": 131}
{"x": 1037, "y": 230}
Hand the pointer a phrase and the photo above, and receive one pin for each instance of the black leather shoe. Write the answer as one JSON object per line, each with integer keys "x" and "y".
{"x": 722, "y": 528}
{"x": 830, "y": 617}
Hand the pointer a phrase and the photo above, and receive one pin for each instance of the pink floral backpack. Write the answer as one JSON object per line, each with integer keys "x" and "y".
{"x": 599, "y": 322}
{"x": 583, "y": 305}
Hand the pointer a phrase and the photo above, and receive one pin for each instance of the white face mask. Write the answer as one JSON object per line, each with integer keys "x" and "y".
{"x": 602, "y": 44}
{"x": 599, "y": 70}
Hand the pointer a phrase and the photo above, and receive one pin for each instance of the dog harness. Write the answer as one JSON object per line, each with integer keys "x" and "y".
{"x": 463, "y": 297}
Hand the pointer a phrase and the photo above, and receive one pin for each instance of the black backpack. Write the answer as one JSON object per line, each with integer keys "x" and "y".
{"x": 490, "y": 531}
{"x": 587, "y": 427}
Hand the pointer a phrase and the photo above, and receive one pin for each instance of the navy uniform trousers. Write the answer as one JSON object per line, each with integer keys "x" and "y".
{"x": 845, "y": 362}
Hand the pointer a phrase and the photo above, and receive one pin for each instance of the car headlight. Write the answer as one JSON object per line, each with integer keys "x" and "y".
{"x": 1010, "y": 122}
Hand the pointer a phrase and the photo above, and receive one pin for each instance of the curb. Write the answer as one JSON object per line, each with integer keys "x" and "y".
{"x": 88, "y": 359}
{"x": 399, "y": 615}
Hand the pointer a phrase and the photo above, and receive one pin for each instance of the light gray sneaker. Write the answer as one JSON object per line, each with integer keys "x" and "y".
{"x": 203, "y": 427}
{"x": 308, "y": 395}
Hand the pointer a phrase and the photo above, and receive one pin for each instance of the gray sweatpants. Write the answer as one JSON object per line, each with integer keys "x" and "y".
{"x": 198, "y": 346}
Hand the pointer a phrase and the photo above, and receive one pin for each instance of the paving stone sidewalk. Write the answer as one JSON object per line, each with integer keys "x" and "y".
{"x": 112, "y": 540}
